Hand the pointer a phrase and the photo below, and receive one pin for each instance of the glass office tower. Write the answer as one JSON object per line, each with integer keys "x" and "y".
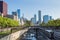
{"x": 39, "y": 17}
{"x": 18, "y": 11}
{"x": 46, "y": 18}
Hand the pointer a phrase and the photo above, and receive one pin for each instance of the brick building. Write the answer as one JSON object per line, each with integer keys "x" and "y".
{"x": 3, "y": 8}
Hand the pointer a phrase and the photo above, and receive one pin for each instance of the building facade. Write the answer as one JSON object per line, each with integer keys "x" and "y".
{"x": 50, "y": 17}
{"x": 3, "y": 8}
{"x": 32, "y": 20}
{"x": 46, "y": 18}
{"x": 15, "y": 16}
{"x": 18, "y": 12}
{"x": 35, "y": 19}
{"x": 10, "y": 16}
{"x": 39, "y": 17}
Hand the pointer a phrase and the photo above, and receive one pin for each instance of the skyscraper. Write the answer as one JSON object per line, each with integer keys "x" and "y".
{"x": 35, "y": 18}
{"x": 46, "y": 18}
{"x": 50, "y": 17}
{"x": 39, "y": 16}
{"x": 3, "y": 8}
{"x": 32, "y": 20}
{"x": 15, "y": 17}
{"x": 14, "y": 13}
{"x": 18, "y": 12}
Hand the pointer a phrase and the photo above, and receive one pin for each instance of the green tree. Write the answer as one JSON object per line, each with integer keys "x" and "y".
{"x": 52, "y": 23}
{"x": 27, "y": 23}
{"x": 7, "y": 22}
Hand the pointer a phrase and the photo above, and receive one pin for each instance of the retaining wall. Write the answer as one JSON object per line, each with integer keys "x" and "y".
{"x": 14, "y": 36}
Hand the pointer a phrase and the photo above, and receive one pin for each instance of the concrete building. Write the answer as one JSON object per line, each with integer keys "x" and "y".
{"x": 22, "y": 20}
{"x": 39, "y": 16}
{"x": 46, "y": 18}
{"x": 13, "y": 16}
{"x": 10, "y": 16}
{"x": 3, "y": 8}
{"x": 1, "y": 14}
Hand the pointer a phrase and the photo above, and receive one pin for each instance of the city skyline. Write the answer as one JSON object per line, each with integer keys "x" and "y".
{"x": 31, "y": 7}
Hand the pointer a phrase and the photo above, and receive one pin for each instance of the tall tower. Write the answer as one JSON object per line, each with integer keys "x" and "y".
{"x": 3, "y": 7}
{"x": 39, "y": 17}
{"x": 18, "y": 11}
{"x": 46, "y": 18}
{"x": 50, "y": 17}
{"x": 35, "y": 18}
{"x": 15, "y": 16}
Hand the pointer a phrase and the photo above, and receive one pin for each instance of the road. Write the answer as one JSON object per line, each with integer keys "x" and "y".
{"x": 33, "y": 34}
{"x": 57, "y": 34}
{"x": 37, "y": 33}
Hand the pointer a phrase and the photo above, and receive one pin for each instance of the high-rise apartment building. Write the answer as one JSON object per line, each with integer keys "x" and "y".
{"x": 39, "y": 17}
{"x": 35, "y": 18}
{"x": 3, "y": 8}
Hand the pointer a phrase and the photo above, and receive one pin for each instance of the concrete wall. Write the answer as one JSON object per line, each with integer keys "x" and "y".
{"x": 5, "y": 29}
{"x": 14, "y": 36}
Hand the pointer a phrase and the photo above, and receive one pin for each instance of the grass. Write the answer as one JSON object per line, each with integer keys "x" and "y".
{"x": 2, "y": 34}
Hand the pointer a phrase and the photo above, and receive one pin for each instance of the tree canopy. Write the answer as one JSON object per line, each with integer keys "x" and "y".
{"x": 4, "y": 22}
{"x": 27, "y": 23}
{"x": 52, "y": 23}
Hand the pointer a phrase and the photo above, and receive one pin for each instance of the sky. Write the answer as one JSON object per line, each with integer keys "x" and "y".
{"x": 31, "y": 7}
